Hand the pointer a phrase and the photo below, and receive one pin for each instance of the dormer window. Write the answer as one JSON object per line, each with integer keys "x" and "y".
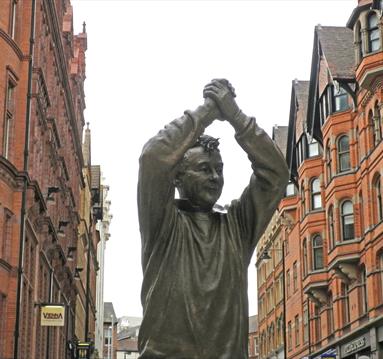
{"x": 373, "y": 32}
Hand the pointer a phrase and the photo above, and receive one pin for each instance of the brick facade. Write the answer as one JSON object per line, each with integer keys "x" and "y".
{"x": 42, "y": 183}
{"x": 333, "y": 222}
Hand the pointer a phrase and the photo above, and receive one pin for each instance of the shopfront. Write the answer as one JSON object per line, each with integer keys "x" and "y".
{"x": 355, "y": 348}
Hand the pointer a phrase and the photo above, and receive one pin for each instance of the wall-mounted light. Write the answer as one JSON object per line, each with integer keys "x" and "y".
{"x": 69, "y": 255}
{"x": 60, "y": 231}
{"x": 51, "y": 191}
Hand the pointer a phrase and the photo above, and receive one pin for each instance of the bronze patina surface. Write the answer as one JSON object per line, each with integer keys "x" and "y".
{"x": 194, "y": 256}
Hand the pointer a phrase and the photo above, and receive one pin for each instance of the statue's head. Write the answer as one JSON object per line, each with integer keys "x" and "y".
{"x": 200, "y": 175}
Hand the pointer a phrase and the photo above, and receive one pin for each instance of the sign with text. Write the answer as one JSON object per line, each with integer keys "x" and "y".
{"x": 53, "y": 315}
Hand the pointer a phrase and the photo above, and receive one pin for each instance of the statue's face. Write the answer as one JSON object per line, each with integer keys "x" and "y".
{"x": 202, "y": 181}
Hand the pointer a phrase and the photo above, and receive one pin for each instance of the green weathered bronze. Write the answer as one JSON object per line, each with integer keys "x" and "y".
{"x": 195, "y": 255}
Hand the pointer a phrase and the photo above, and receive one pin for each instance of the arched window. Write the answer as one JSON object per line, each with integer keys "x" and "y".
{"x": 303, "y": 200}
{"x": 331, "y": 227}
{"x": 377, "y": 195}
{"x": 363, "y": 291}
{"x": 316, "y": 197}
{"x": 305, "y": 259}
{"x": 377, "y": 124}
{"x": 328, "y": 162}
{"x": 347, "y": 214}
{"x": 317, "y": 245}
{"x": 343, "y": 154}
{"x": 373, "y": 32}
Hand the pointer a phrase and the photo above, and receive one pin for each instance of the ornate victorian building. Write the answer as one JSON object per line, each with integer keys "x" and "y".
{"x": 49, "y": 200}
{"x": 334, "y": 242}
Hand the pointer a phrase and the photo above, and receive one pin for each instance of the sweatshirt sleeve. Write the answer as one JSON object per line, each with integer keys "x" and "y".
{"x": 267, "y": 184}
{"x": 157, "y": 169}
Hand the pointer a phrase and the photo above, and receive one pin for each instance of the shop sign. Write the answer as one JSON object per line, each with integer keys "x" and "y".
{"x": 53, "y": 315}
{"x": 355, "y": 345}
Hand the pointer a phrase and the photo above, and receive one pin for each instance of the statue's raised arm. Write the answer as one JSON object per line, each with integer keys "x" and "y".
{"x": 195, "y": 258}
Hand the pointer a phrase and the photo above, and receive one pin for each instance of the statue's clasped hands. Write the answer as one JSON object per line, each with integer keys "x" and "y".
{"x": 223, "y": 94}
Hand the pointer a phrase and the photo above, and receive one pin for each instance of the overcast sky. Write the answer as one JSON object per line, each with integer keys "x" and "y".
{"x": 148, "y": 61}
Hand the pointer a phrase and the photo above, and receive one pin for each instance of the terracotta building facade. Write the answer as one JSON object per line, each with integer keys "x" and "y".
{"x": 45, "y": 185}
{"x": 333, "y": 238}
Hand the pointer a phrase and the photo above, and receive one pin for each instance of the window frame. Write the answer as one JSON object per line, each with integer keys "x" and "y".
{"x": 10, "y": 106}
{"x": 343, "y": 153}
{"x": 329, "y": 173}
{"x": 344, "y": 217}
{"x": 331, "y": 227}
{"x": 317, "y": 248}
{"x": 315, "y": 193}
{"x": 371, "y": 30}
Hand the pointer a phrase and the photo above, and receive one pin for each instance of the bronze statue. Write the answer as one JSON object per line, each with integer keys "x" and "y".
{"x": 195, "y": 255}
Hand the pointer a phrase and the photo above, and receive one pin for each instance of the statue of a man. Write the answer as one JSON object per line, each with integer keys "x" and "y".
{"x": 194, "y": 256}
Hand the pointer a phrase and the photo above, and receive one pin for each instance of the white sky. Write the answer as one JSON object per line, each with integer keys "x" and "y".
{"x": 148, "y": 61}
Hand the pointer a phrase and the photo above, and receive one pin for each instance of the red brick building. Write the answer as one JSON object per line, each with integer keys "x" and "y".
{"x": 42, "y": 72}
{"x": 253, "y": 337}
{"x": 333, "y": 264}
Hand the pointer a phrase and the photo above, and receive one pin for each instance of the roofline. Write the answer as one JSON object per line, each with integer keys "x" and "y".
{"x": 355, "y": 14}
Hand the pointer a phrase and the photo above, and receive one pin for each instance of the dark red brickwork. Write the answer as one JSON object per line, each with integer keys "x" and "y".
{"x": 57, "y": 189}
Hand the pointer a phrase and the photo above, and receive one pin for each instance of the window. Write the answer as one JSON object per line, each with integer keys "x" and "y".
{"x": 380, "y": 278}
{"x": 330, "y": 315}
{"x": 347, "y": 214}
{"x": 373, "y": 33}
{"x": 288, "y": 283}
{"x": 331, "y": 229}
{"x": 317, "y": 323}
{"x": 9, "y": 116}
{"x": 296, "y": 330}
{"x": 305, "y": 323}
{"x": 340, "y": 99}
{"x": 343, "y": 154}
{"x": 377, "y": 124}
{"x": 358, "y": 42}
{"x": 303, "y": 201}
{"x": 314, "y": 149}
{"x": 361, "y": 209}
{"x": 6, "y": 238}
{"x": 316, "y": 197}
{"x": 12, "y": 24}
{"x": 346, "y": 303}
{"x": 328, "y": 162}
{"x": 363, "y": 290}
{"x": 301, "y": 150}
{"x": 256, "y": 349}
{"x": 295, "y": 276}
{"x": 377, "y": 195}
{"x": 305, "y": 263}
{"x": 107, "y": 336}
{"x": 290, "y": 189}
{"x": 3, "y": 316}
{"x": 317, "y": 252}
{"x": 289, "y": 337}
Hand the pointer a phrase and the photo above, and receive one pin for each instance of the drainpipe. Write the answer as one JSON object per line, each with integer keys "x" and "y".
{"x": 25, "y": 186}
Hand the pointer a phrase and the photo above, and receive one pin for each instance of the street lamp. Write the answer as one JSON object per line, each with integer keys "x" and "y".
{"x": 265, "y": 256}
